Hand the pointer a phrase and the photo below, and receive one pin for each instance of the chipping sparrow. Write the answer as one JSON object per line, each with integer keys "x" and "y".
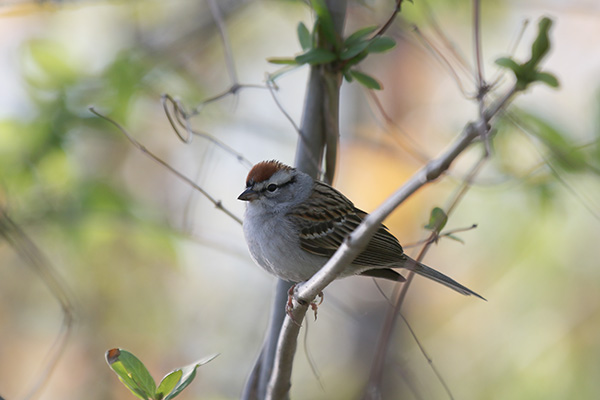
{"x": 293, "y": 224}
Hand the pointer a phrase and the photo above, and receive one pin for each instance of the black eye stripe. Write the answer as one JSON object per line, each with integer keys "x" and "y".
{"x": 273, "y": 186}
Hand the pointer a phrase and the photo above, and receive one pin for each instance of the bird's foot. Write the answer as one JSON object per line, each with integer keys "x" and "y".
{"x": 289, "y": 307}
{"x": 314, "y": 305}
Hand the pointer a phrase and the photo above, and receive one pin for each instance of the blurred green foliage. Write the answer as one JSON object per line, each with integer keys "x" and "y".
{"x": 61, "y": 181}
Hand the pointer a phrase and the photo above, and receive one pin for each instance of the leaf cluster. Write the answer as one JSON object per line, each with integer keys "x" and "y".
{"x": 322, "y": 46}
{"x": 437, "y": 221}
{"x": 528, "y": 72}
{"x": 135, "y": 376}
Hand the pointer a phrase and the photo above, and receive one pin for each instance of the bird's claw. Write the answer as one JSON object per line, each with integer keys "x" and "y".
{"x": 289, "y": 307}
{"x": 314, "y": 305}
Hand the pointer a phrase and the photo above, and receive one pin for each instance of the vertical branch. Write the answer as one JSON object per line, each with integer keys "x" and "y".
{"x": 319, "y": 129}
{"x": 320, "y": 118}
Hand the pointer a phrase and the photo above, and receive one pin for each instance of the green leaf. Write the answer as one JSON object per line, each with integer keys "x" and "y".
{"x": 507, "y": 62}
{"x": 541, "y": 45}
{"x": 354, "y": 50}
{"x": 547, "y": 78}
{"x": 381, "y": 44}
{"x": 188, "y": 374}
{"x": 376, "y": 45}
{"x": 316, "y": 57}
{"x": 355, "y": 60}
{"x": 528, "y": 72}
{"x": 272, "y": 77}
{"x": 359, "y": 35}
{"x": 282, "y": 60}
{"x": 132, "y": 372}
{"x": 525, "y": 75}
{"x": 304, "y": 36}
{"x": 168, "y": 383}
{"x": 366, "y": 80}
{"x": 437, "y": 220}
{"x": 450, "y": 236}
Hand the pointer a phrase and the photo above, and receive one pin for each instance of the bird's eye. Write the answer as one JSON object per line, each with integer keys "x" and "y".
{"x": 272, "y": 187}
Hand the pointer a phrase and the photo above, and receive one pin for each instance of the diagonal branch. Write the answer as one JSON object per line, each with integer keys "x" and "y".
{"x": 359, "y": 238}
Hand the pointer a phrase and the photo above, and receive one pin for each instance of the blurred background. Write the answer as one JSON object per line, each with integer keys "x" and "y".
{"x": 151, "y": 266}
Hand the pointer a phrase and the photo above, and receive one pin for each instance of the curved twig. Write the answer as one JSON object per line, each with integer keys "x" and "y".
{"x": 180, "y": 118}
{"x": 175, "y": 120}
{"x": 390, "y": 20}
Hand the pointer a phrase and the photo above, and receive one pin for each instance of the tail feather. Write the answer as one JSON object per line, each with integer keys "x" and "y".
{"x": 434, "y": 275}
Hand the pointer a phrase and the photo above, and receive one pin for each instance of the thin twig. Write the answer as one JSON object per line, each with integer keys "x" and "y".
{"x": 404, "y": 140}
{"x": 36, "y": 260}
{"x": 512, "y": 48}
{"x": 447, "y": 43}
{"x": 482, "y": 87}
{"x": 271, "y": 86}
{"x": 428, "y": 44}
{"x": 477, "y": 43}
{"x": 214, "y": 9}
{"x": 218, "y": 204}
{"x": 467, "y": 183}
{"x": 390, "y": 20}
{"x": 437, "y": 373}
{"x": 232, "y": 90}
{"x": 311, "y": 361}
{"x": 441, "y": 235}
{"x": 181, "y": 120}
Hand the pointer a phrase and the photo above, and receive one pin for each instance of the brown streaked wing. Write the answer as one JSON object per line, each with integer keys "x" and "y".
{"x": 322, "y": 222}
{"x": 325, "y": 224}
{"x": 383, "y": 250}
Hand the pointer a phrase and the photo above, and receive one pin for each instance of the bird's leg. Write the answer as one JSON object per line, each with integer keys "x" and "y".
{"x": 314, "y": 305}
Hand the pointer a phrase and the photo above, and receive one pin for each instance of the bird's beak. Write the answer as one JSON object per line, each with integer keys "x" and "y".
{"x": 248, "y": 195}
